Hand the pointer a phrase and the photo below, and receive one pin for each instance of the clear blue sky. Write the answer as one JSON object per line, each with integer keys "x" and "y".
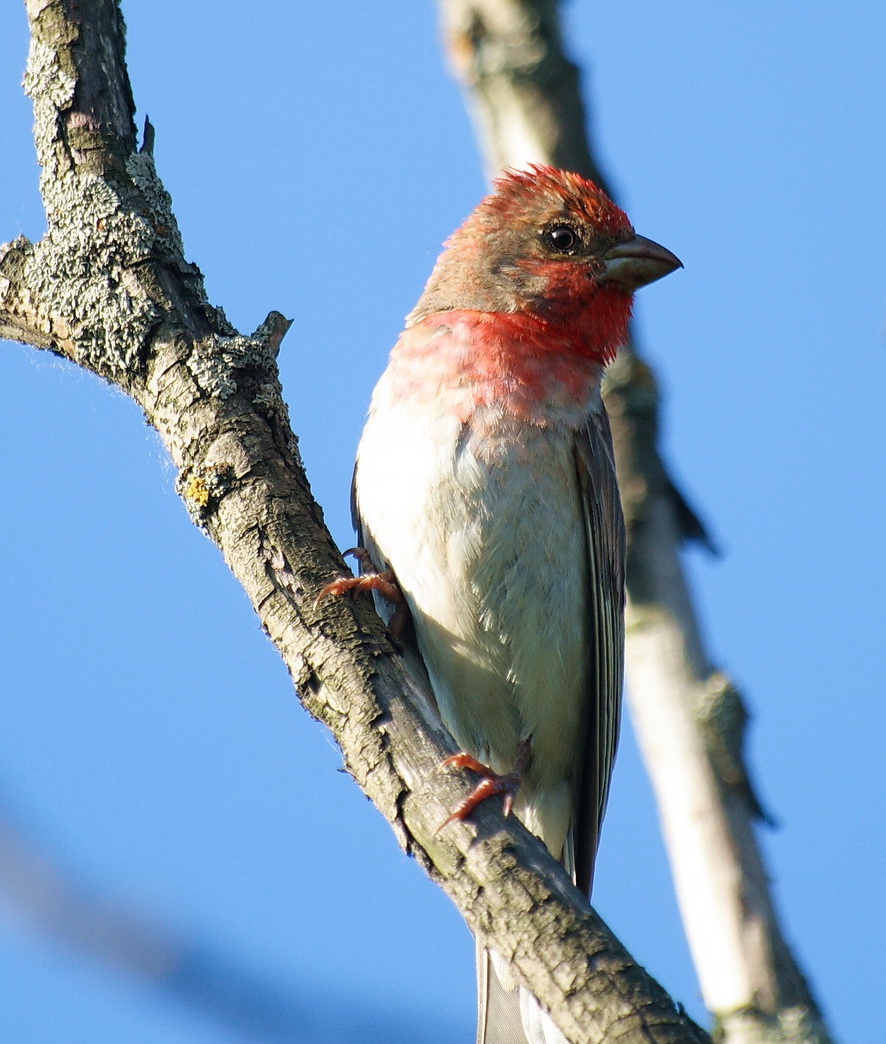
{"x": 318, "y": 154}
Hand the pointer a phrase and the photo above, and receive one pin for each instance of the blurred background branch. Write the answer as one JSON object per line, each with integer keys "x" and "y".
{"x": 39, "y": 893}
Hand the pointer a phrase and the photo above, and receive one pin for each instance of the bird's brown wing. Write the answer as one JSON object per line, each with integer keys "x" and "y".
{"x": 605, "y": 532}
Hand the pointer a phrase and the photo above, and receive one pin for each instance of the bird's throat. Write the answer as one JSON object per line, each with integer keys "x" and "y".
{"x": 535, "y": 370}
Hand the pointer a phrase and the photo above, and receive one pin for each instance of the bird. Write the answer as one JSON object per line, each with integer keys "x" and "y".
{"x": 487, "y": 509}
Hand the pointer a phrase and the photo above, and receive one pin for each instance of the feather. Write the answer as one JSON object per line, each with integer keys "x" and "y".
{"x": 605, "y": 535}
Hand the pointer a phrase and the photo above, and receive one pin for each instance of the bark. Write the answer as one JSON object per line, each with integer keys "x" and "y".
{"x": 525, "y": 96}
{"x": 108, "y": 288}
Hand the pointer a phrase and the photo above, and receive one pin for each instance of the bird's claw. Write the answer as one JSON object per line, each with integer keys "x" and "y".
{"x": 384, "y": 583}
{"x": 372, "y": 579}
{"x": 491, "y": 784}
{"x": 363, "y": 557}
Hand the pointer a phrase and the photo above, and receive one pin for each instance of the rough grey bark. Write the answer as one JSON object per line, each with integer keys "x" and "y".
{"x": 108, "y": 288}
{"x": 524, "y": 93}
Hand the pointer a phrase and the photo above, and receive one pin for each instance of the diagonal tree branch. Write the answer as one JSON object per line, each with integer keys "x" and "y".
{"x": 525, "y": 96}
{"x": 108, "y": 288}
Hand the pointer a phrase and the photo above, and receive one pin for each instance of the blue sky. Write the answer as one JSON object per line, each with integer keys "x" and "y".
{"x": 318, "y": 155}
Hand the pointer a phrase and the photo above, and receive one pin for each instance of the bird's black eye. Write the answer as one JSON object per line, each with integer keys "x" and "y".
{"x": 562, "y": 238}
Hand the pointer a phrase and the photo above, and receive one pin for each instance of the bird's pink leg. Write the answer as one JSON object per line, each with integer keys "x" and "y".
{"x": 491, "y": 783}
{"x": 372, "y": 579}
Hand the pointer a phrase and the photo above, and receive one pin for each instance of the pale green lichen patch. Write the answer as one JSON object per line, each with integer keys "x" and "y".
{"x": 89, "y": 215}
{"x": 140, "y": 168}
{"x": 46, "y": 78}
{"x": 85, "y": 286}
{"x": 215, "y": 363}
{"x": 109, "y": 226}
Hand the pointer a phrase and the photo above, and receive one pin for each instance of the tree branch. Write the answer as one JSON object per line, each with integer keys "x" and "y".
{"x": 525, "y": 95}
{"x": 108, "y": 287}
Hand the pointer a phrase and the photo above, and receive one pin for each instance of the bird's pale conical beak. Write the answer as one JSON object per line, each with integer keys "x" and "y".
{"x": 638, "y": 261}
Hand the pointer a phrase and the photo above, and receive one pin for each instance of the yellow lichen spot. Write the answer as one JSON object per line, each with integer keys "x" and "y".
{"x": 197, "y": 491}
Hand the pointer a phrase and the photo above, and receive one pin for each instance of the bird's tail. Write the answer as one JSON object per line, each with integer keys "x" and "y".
{"x": 508, "y": 1013}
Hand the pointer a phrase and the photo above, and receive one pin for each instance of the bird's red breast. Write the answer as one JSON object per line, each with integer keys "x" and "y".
{"x": 530, "y": 367}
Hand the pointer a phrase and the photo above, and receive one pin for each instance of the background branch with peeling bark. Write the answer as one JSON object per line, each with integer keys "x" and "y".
{"x": 220, "y": 809}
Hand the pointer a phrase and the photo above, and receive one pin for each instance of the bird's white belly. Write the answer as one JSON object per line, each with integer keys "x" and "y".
{"x": 486, "y": 537}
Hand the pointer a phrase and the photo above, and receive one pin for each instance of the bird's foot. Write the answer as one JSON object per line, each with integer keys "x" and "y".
{"x": 491, "y": 783}
{"x": 371, "y": 579}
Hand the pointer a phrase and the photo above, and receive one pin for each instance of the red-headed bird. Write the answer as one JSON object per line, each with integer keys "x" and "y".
{"x": 485, "y": 482}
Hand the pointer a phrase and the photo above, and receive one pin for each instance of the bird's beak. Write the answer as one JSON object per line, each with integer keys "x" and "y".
{"x": 636, "y": 262}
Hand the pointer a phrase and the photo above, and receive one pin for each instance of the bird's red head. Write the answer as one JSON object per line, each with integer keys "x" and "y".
{"x": 523, "y": 196}
{"x": 549, "y": 245}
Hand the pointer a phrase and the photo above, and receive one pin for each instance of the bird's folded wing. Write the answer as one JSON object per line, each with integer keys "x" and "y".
{"x": 605, "y": 532}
